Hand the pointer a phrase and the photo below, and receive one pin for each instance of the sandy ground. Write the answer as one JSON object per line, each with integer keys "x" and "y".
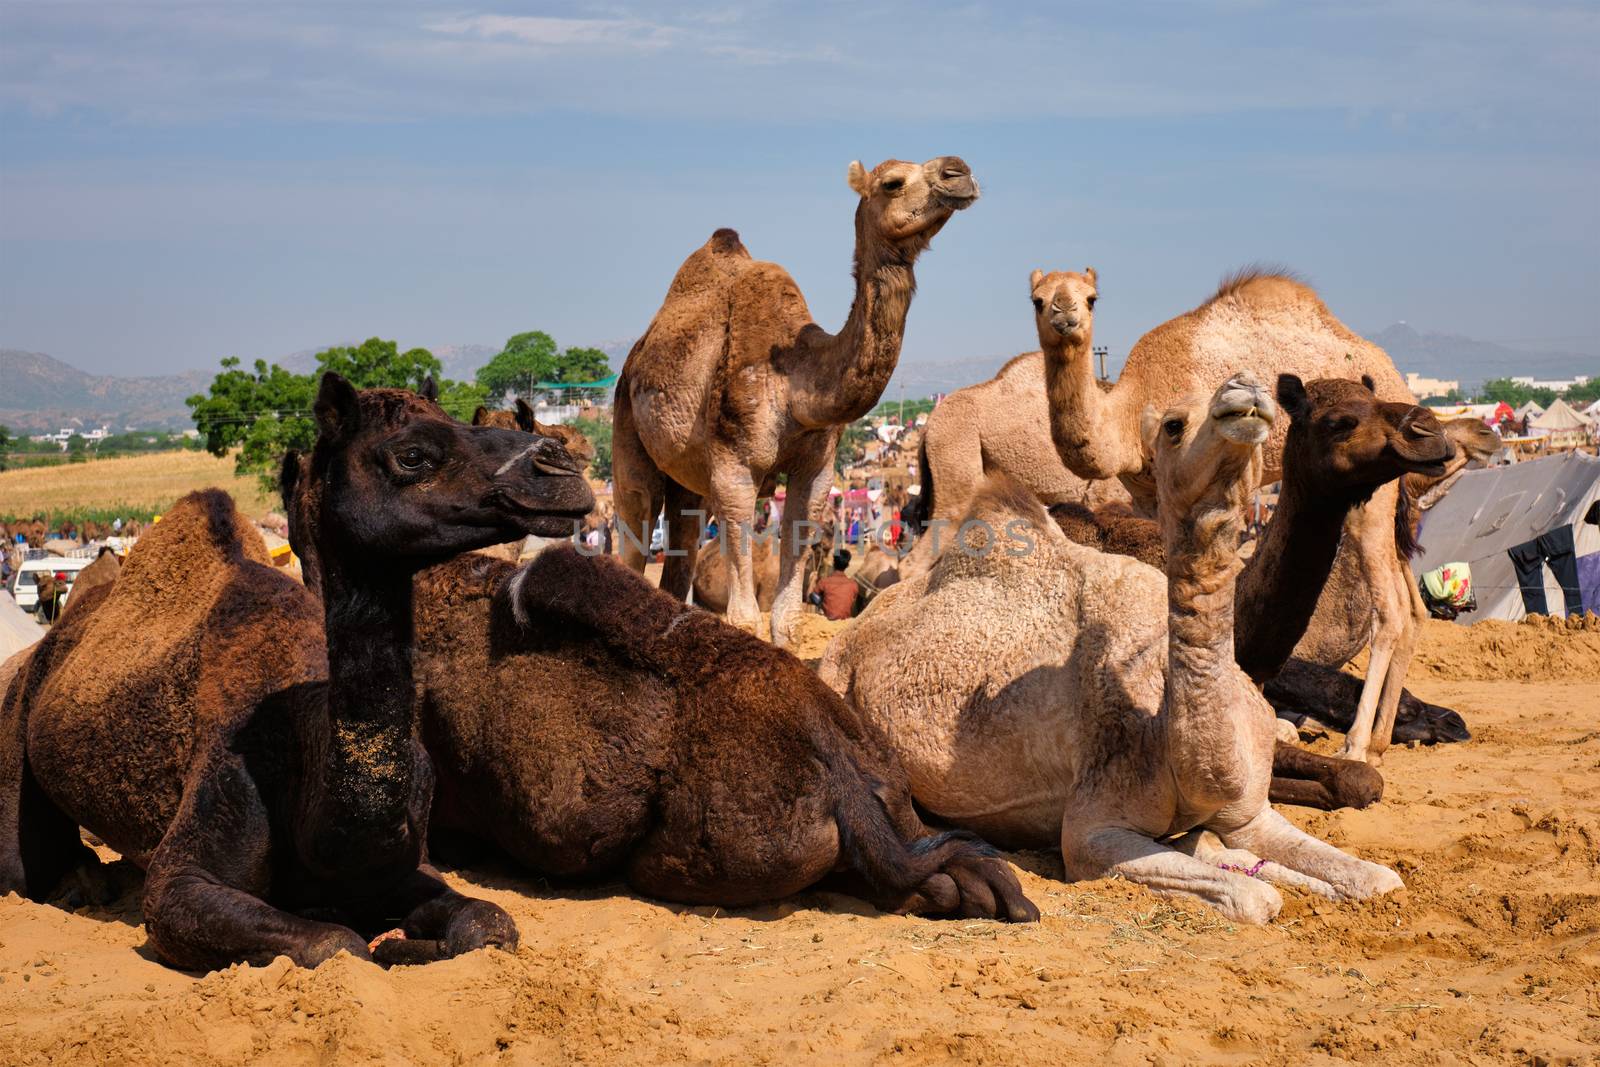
{"x": 1491, "y": 955}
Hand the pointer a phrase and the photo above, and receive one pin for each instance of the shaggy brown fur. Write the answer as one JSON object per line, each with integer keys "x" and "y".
{"x": 714, "y": 767}
{"x": 566, "y": 743}
{"x": 184, "y": 714}
{"x": 103, "y": 571}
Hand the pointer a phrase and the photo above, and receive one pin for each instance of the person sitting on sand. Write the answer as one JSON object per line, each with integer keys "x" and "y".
{"x": 837, "y": 594}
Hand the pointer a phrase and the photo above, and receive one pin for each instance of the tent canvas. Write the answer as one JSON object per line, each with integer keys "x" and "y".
{"x": 1492, "y": 510}
{"x": 18, "y": 630}
{"x": 1560, "y": 416}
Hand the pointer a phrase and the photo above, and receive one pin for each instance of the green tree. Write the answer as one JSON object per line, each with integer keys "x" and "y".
{"x": 598, "y": 431}
{"x": 1453, "y": 396}
{"x": 1505, "y": 390}
{"x": 266, "y": 411}
{"x": 461, "y": 399}
{"x": 378, "y": 364}
{"x": 5, "y": 444}
{"x": 579, "y": 365}
{"x": 527, "y": 358}
{"x": 1584, "y": 394}
{"x": 533, "y": 357}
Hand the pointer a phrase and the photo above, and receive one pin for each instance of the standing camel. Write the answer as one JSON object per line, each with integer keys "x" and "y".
{"x": 1271, "y": 324}
{"x": 734, "y": 384}
{"x": 252, "y": 749}
{"x": 1043, "y": 692}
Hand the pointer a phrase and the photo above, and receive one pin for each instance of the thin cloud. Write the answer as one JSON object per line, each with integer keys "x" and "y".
{"x": 548, "y": 32}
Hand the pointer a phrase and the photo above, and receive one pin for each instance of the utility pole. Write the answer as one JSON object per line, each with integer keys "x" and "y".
{"x": 1102, "y": 351}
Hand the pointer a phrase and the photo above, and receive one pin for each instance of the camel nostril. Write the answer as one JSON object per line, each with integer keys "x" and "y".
{"x": 954, "y": 168}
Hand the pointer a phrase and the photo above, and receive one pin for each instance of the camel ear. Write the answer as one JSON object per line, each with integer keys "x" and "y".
{"x": 1088, "y": 272}
{"x": 1292, "y": 396}
{"x": 525, "y": 420}
{"x": 480, "y": 416}
{"x": 289, "y": 475}
{"x": 1034, "y": 279}
{"x": 857, "y": 177}
{"x": 1366, "y": 380}
{"x": 338, "y": 410}
{"x": 1149, "y": 426}
{"x": 429, "y": 390}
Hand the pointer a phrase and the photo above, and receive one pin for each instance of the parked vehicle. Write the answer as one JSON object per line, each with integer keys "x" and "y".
{"x": 24, "y": 587}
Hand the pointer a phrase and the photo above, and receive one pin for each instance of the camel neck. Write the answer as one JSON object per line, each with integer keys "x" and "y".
{"x": 1278, "y": 590}
{"x": 843, "y": 377}
{"x": 357, "y": 810}
{"x": 1201, "y": 708}
{"x": 1085, "y": 422}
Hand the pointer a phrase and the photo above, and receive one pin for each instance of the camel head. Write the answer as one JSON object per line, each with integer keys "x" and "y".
{"x": 1208, "y": 451}
{"x": 905, "y": 204}
{"x": 521, "y": 418}
{"x": 1343, "y": 440}
{"x": 394, "y": 479}
{"x": 1063, "y": 305}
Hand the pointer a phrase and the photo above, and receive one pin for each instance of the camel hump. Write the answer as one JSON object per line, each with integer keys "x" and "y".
{"x": 1263, "y": 284}
{"x": 1000, "y": 502}
{"x": 199, "y": 529}
{"x": 725, "y": 242}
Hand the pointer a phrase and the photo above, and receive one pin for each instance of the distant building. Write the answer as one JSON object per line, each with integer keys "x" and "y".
{"x": 1559, "y": 385}
{"x": 1424, "y": 387}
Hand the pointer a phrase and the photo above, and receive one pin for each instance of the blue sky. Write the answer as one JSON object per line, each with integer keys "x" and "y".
{"x": 185, "y": 181}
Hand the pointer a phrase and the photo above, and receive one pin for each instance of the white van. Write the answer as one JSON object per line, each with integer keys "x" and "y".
{"x": 24, "y": 587}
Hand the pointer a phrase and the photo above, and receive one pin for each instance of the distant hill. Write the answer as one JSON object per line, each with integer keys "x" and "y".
{"x": 1440, "y": 355}
{"x": 39, "y": 394}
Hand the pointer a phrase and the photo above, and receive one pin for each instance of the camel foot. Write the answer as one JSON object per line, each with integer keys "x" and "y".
{"x": 972, "y": 887}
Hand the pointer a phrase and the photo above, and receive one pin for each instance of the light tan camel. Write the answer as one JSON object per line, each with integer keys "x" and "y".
{"x": 733, "y": 383}
{"x": 1269, "y": 323}
{"x": 1044, "y": 692}
{"x": 998, "y": 426}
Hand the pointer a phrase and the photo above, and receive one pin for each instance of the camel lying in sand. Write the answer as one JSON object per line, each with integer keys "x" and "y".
{"x": 590, "y": 726}
{"x": 1038, "y": 693}
{"x": 251, "y": 748}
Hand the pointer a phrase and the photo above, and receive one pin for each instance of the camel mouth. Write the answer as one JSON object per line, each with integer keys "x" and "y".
{"x": 958, "y": 199}
{"x": 553, "y": 512}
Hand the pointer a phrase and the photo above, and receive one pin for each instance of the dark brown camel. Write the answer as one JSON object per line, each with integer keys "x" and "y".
{"x": 1343, "y": 443}
{"x": 590, "y": 726}
{"x": 521, "y": 417}
{"x": 251, "y": 748}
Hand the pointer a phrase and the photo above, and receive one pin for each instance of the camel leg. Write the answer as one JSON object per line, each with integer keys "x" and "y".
{"x": 1274, "y": 838}
{"x": 1410, "y": 614}
{"x": 640, "y": 488}
{"x": 686, "y": 520}
{"x": 808, "y": 494}
{"x": 1203, "y": 845}
{"x": 1109, "y": 851}
{"x": 440, "y": 923}
{"x": 1313, "y": 781}
{"x": 733, "y": 500}
{"x": 194, "y": 918}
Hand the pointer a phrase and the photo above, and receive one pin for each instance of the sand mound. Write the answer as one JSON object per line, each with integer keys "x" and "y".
{"x": 1540, "y": 648}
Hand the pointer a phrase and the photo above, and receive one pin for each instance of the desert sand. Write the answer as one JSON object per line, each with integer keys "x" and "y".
{"x": 1491, "y": 954}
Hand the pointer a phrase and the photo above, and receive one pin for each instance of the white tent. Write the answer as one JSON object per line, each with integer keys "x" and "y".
{"x": 1489, "y": 511}
{"x": 1532, "y": 407}
{"x": 1560, "y": 416}
{"x": 18, "y": 630}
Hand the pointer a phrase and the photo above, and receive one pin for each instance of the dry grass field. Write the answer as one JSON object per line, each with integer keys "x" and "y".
{"x": 135, "y": 483}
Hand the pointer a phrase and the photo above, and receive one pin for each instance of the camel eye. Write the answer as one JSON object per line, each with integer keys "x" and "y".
{"x": 1038, "y": 303}
{"x": 1090, "y": 302}
{"x": 893, "y": 185}
{"x": 1342, "y": 426}
{"x": 1173, "y": 428}
{"x": 411, "y": 459}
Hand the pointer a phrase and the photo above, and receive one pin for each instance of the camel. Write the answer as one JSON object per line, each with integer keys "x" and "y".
{"x": 521, "y": 417}
{"x": 1273, "y": 323}
{"x": 999, "y": 425}
{"x": 733, "y": 384}
{"x": 1038, "y": 693}
{"x": 588, "y": 726}
{"x": 251, "y": 748}
{"x": 103, "y": 571}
